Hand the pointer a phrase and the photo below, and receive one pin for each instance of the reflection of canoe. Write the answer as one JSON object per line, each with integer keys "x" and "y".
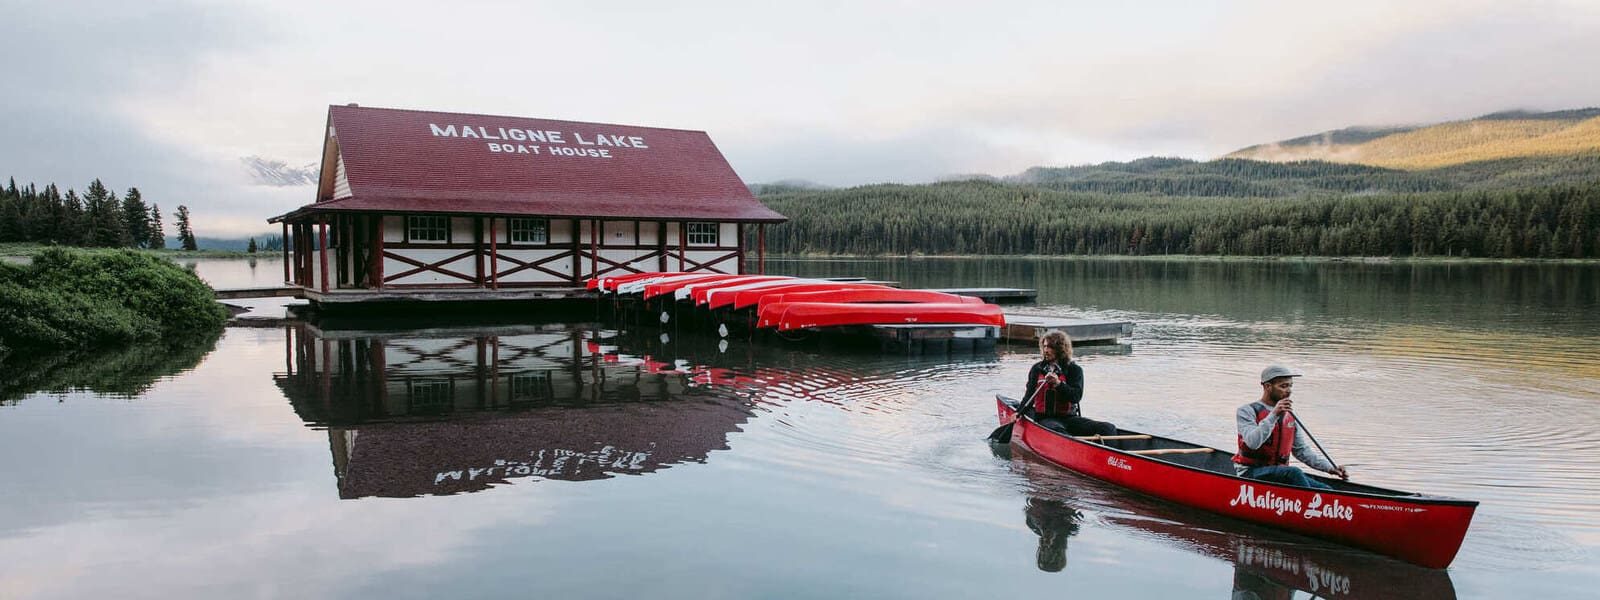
{"x": 1265, "y": 563}
{"x": 1424, "y": 530}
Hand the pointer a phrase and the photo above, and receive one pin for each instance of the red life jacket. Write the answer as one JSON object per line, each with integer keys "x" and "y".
{"x": 1043, "y": 395}
{"x": 1278, "y": 447}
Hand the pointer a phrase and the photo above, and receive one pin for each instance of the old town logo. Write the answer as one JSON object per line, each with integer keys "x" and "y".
{"x": 1315, "y": 509}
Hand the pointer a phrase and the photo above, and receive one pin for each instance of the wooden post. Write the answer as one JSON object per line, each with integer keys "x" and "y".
{"x": 494, "y": 360}
{"x": 577, "y": 254}
{"x": 594, "y": 247}
{"x": 661, "y": 245}
{"x": 288, "y": 347}
{"x": 477, "y": 248}
{"x": 738, "y": 242}
{"x": 494, "y": 252}
{"x": 301, "y": 249}
{"x": 683, "y": 241}
{"x": 376, "y": 271}
{"x": 761, "y": 249}
{"x": 322, "y": 250}
{"x": 481, "y": 373}
{"x": 286, "y": 252}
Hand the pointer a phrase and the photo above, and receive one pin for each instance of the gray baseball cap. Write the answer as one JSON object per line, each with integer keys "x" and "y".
{"x": 1276, "y": 371}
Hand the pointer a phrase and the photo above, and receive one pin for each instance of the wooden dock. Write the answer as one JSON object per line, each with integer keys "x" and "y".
{"x": 1027, "y": 329}
{"x": 288, "y": 291}
{"x": 996, "y": 295}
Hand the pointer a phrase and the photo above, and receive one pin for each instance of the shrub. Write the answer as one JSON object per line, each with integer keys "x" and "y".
{"x": 76, "y": 298}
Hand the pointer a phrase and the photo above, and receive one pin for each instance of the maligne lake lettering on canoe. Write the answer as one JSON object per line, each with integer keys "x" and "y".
{"x": 1319, "y": 580}
{"x": 1279, "y": 504}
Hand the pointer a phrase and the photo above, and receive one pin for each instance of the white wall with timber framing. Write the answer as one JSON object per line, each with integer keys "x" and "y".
{"x": 440, "y": 251}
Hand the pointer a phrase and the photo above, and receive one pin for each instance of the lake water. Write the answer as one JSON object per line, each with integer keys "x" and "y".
{"x": 532, "y": 459}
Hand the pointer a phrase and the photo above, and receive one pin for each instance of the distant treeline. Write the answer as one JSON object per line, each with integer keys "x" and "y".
{"x": 991, "y": 217}
{"x": 95, "y": 219}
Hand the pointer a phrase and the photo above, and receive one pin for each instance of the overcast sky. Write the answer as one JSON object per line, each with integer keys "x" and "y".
{"x": 167, "y": 95}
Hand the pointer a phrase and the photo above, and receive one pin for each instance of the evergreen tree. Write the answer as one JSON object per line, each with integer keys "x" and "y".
{"x": 185, "y": 233}
{"x": 137, "y": 217}
{"x": 11, "y": 229}
{"x": 158, "y": 235}
{"x": 70, "y": 228}
{"x": 106, "y": 226}
{"x": 252, "y": 248}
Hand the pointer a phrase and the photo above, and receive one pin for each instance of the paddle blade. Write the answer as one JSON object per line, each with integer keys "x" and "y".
{"x": 1002, "y": 434}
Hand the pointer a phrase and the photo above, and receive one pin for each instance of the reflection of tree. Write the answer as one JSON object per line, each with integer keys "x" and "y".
{"x": 127, "y": 371}
{"x": 1054, "y": 522}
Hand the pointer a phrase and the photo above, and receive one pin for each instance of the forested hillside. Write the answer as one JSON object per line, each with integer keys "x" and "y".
{"x": 1257, "y": 216}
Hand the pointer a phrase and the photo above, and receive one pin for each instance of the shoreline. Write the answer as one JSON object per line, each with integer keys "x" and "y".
{"x": 1190, "y": 258}
{"x": 13, "y": 250}
{"x": 29, "y": 251}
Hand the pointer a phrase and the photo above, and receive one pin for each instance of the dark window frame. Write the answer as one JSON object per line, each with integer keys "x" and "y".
{"x": 528, "y": 226}
{"x": 703, "y": 237}
{"x": 416, "y": 224}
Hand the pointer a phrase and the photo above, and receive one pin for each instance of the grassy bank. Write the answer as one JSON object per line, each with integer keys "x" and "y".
{"x": 76, "y": 299}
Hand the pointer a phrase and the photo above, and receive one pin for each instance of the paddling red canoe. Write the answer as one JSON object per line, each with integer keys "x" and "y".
{"x": 771, "y": 308}
{"x": 807, "y": 315}
{"x": 1419, "y": 529}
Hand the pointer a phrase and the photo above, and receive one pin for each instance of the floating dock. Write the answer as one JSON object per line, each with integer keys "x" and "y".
{"x": 1027, "y": 329}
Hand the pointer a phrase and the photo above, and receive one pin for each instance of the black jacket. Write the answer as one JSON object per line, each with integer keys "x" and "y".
{"x": 1063, "y": 399}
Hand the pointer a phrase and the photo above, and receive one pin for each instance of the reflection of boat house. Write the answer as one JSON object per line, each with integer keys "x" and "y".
{"x": 459, "y": 410}
{"x": 414, "y": 204}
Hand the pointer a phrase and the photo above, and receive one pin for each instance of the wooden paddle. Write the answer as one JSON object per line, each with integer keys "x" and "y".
{"x": 1002, "y": 434}
{"x": 1302, "y": 426}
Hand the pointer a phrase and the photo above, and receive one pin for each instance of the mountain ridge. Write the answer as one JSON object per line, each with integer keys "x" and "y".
{"x": 1498, "y": 135}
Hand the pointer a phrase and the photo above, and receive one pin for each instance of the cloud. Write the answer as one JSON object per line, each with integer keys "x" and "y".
{"x": 169, "y": 96}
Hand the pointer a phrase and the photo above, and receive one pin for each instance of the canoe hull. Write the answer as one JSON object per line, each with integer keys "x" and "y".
{"x": 1425, "y": 531}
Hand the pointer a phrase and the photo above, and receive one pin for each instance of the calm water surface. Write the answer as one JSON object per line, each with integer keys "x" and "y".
{"x": 587, "y": 460}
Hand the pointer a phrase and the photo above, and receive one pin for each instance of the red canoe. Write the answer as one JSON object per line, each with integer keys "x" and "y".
{"x": 724, "y": 296}
{"x": 668, "y": 286}
{"x": 609, "y": 283}
{"x": 806, "y": 315}
{"x": 772, "y": 307}
{"x": 1422, "y": 530}
{"x": 699, "y": 291}
{"x": 746, "y": 298}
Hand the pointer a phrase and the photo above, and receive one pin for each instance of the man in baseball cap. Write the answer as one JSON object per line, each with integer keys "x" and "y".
{"x": 1268, "y": 436}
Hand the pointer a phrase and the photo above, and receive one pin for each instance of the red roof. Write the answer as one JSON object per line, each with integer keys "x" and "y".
{"x": 417, "y": 161}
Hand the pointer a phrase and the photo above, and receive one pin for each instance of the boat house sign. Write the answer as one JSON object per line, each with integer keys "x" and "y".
{"x": 541, "y": 142}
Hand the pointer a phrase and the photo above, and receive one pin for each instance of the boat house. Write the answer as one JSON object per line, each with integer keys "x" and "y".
{"x": 447, "y": 206}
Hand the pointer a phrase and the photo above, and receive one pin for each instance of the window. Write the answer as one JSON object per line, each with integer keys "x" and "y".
{"x": 430, "y": 395}
{"x": 532, "y": 231}
{"x": 703, "y": 234}
{"x": 534, "y": 386}
{"x": 428, "y": 229}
